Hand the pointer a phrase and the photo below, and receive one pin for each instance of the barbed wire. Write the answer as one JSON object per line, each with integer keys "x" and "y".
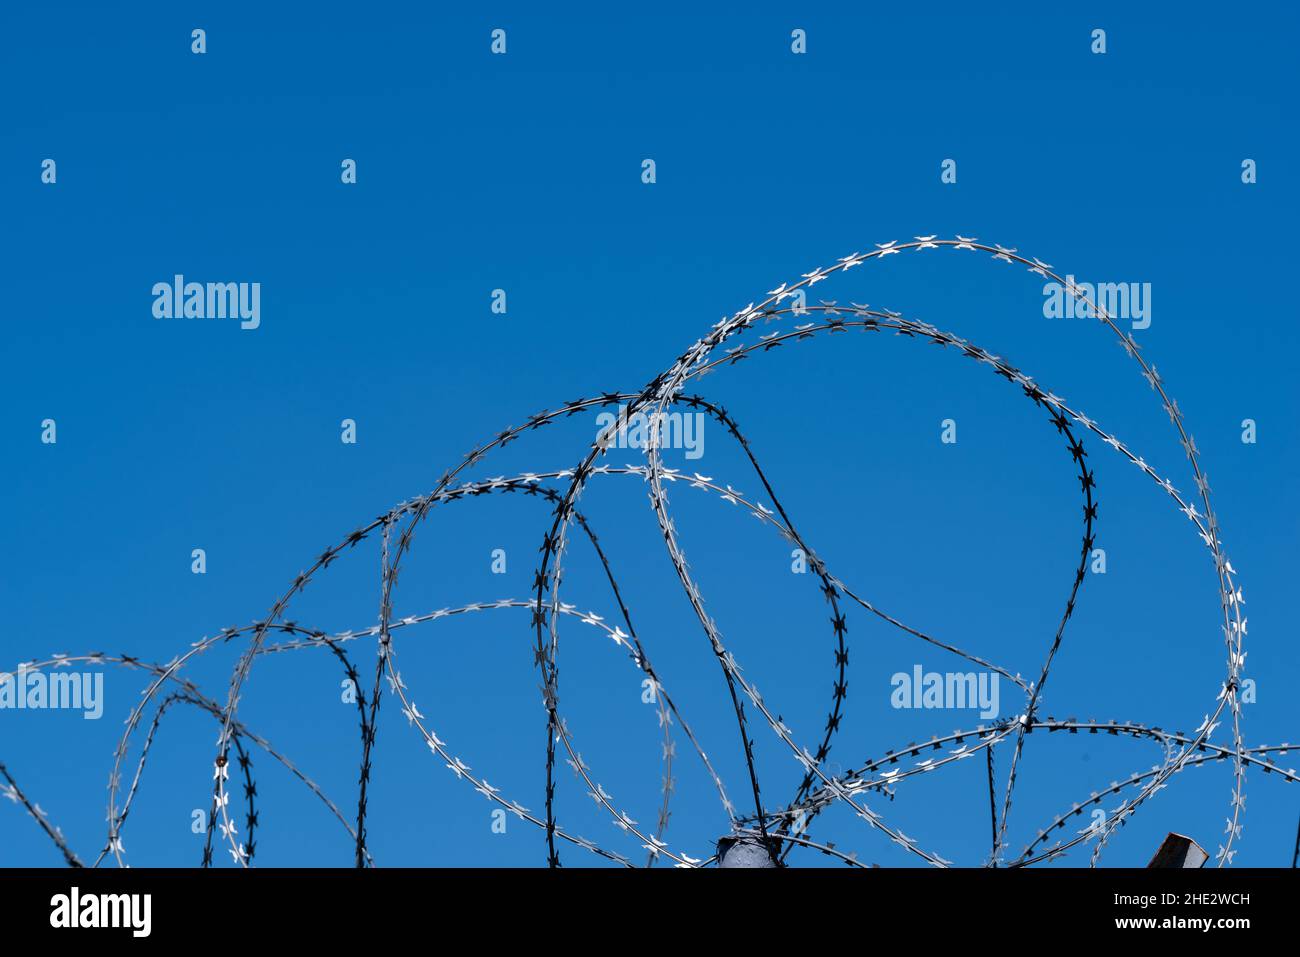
{"x": 782, "y": 827}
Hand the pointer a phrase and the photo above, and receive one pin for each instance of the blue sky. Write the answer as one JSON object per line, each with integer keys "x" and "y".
{"x": 523, "y": 172}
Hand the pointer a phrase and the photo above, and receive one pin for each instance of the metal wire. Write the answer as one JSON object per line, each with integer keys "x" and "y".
{"x": 784, "y": 825}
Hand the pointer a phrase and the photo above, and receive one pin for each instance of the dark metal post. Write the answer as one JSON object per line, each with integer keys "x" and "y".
{"x": 1178, "y": 850}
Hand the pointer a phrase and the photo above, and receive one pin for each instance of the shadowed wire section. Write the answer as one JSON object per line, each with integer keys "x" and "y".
{"x": 781, "y": 827}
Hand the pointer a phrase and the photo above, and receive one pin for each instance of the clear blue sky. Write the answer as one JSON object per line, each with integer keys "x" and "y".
{"x": 523, "y": 172}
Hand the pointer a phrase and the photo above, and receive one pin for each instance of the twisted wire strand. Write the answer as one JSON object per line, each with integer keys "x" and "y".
{"x": 782, "y": 826}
